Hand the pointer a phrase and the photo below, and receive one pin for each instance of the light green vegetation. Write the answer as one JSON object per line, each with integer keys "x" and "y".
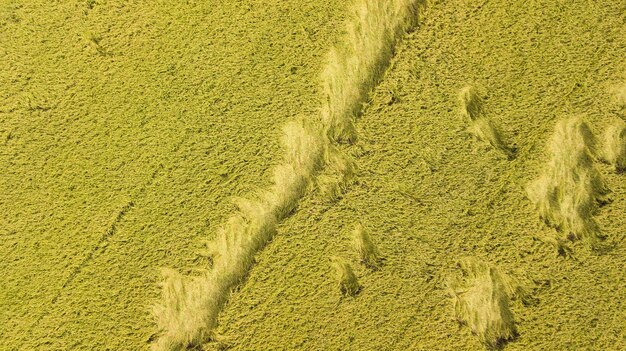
{"x": 482, "y": 298}
{"x": 126, "y": 128}
{"x": 569, "y": 190}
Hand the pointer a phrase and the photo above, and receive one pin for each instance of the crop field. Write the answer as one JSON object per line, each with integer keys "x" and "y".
{"x": 313, "y": 175}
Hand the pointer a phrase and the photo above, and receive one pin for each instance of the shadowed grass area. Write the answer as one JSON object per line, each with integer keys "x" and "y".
{"x": 570, "y": 188}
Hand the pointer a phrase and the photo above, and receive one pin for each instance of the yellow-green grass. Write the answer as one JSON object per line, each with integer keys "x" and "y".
{"x": 179, "y": 110}
{"x": 365, "y": 247}
{"x": 346, "y": 280}
{"x": 614, "y": 145}
{"x": 190, "y": 306}
{"x": 189, "y": 310}
{"x": 482, "y": 297}
{"x": 569, "y": 189}
{"x": 480, "y": 125}
{"x": 359, "y": 61}
{"x": 540, "y": 61}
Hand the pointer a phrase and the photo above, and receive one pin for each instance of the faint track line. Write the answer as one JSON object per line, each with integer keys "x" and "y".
{"x": 108, "y": 234}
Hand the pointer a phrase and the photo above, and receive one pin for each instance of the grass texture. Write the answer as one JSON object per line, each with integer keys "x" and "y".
{"x": 483, "y": 128}
{"x": 568, "y": 191}
{"x": 620, "y": 95}
{"x": 190, "y": 305}
{"x": 340, "y": 170}
{"x": 365, "y": 248}
{"x": 357, "y": 65}
{"x": 482, "y": 298}
{"x": 614, "y": 152}
{"x": 346, "y": 279}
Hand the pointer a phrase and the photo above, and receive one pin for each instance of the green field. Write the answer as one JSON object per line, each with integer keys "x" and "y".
{"x": 127, "y": 127}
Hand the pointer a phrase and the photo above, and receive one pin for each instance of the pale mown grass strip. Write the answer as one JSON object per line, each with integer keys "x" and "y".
{"x": 356, "y": 65}
{"x": 570, "y": 188}
{"x": 190, "y": 306}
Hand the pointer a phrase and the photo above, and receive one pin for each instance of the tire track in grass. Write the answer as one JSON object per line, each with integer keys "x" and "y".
{"x": 190, "y": 305}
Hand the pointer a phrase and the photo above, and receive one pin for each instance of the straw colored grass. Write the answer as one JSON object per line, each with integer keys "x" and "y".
{"x": 471, "y": 108}
{"x": 614, "y": 152}
{"x": 620, "y": 95}
{"x": 365, "y": 248}
{"x": 570, "y": 188}
{"x": 346, "y": 279}
{"x": 338, "y": 174}
{"x": 357, "y": 65}
{"x": 470, "y": 103}
{"x": 482, "y": 298}
{"x": 190, "y": 306}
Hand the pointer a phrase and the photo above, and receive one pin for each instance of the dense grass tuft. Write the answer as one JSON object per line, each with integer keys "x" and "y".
{"x": 346, "y": 279}
{"x": 470, "y": 103}
{"x": 570, "y": 188}
{"x": 356, "y": 66}
{"x": 364, "y": 246}
{"x": 483, "y": 128}
{"x": 482, "y": 298}
{"x": 177, "y": 313}
{"x": 614, "y": 151}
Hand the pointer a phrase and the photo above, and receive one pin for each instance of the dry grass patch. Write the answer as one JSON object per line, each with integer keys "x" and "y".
{"x": 365, "y": 248}
{"x": 479, "y": 125}
{"x": 570, "y": 188}
{"x": 482, "y": 298}
{"x": 357, "y": 65}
